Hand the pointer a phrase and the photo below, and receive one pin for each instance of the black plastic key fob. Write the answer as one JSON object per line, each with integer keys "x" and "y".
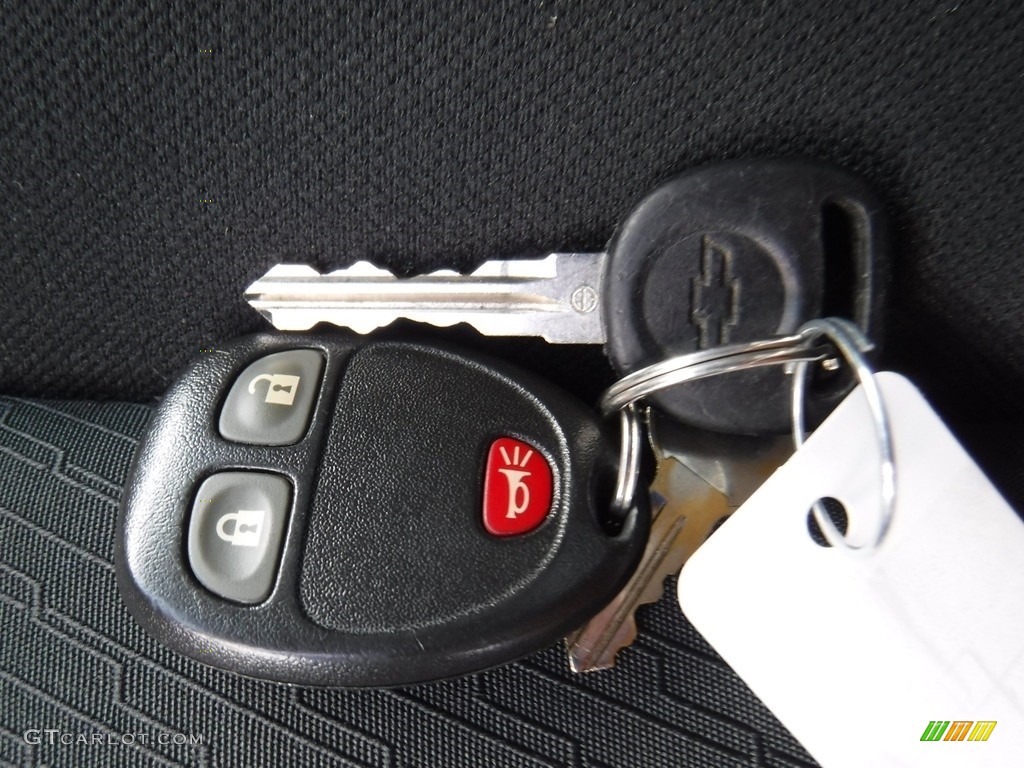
{"x": 338, "y": 511}
{"x": 743, "y": 251}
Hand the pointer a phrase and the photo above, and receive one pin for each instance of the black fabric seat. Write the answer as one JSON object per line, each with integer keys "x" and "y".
{"x": 156, "y": 158}
{"x": 73, "y": 659}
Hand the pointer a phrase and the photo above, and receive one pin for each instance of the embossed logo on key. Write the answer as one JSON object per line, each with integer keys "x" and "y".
{"x": 517, "y": 488}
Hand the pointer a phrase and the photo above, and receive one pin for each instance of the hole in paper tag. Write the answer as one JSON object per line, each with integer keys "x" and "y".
{"x": 836, "y": 511}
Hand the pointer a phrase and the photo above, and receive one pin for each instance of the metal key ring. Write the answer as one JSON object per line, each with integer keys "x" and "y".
{"x": 628, "y": 478}
{"x": 851, "y": 344}
{"x": 705, "y": 363}
{"x": 797, "y": 350}
{"x": 623, "y": 395}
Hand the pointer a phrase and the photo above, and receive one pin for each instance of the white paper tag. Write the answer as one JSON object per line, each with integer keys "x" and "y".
{"x": 858, "y": 654}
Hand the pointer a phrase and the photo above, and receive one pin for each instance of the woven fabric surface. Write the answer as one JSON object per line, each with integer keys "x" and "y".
{"x": 73, "y": 661}
{"x": 156, "y": 158}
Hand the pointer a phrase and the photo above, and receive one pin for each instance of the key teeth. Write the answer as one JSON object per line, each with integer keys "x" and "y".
{"x": 583, "y": 660}
{"x": 277, "y": 272}
{"x": 268, "y": 315}
{"x": 289, "y": 321}
{"x": 369, "y": 269}
{"x": 362, "y": 268}
{"x": 545, "y": 266}
{"x": 290, "y": 270}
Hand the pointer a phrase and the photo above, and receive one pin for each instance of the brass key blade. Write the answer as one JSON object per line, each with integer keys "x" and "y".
{"x": 686, "y": 509}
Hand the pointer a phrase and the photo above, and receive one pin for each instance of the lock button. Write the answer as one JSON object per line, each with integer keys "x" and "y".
{"x": 271, "y": 401}
{"x": 235, "y": 533}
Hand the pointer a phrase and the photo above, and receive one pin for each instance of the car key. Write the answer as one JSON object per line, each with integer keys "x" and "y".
{"x": 731, "y": 252}
{"x": 334, "y": 510}
{"x": 701, "y": 478}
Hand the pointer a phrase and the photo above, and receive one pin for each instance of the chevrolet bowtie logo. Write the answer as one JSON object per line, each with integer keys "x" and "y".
{"x": 715, "y": 296}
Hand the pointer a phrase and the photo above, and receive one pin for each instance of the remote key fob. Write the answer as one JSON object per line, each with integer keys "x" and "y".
{"x": 343, "y": 511}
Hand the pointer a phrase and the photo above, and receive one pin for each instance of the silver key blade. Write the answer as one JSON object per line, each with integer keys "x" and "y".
{"x": 556, "y": 298}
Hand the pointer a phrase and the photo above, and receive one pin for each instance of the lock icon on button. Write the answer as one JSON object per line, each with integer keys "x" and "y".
{"x": 246, "y": 528}
{"x": 281, "y": 387}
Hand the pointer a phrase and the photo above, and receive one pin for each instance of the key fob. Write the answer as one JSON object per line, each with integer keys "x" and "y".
{"x": 342, "y": 511}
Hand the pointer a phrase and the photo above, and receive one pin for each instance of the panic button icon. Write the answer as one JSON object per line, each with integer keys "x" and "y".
{"x": 517, "y": 488}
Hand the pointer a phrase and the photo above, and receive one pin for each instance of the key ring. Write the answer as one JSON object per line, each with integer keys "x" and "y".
{"x": 629, "y": 460}
{"x": 797, "y": 351}
{"x": 706, "y": 363}
{"x": 851, "y": 344}
{"x": 623, "y": 395}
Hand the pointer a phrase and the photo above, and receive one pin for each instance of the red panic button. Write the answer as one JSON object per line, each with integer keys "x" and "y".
{"x": 517, "y": 488}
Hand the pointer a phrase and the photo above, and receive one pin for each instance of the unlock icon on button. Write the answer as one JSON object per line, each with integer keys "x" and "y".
{"x": 281, "y": 387}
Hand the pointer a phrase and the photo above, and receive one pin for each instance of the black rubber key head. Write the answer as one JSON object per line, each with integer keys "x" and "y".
{"x": 742, "y": 251}
{"x": 442, "y": 513}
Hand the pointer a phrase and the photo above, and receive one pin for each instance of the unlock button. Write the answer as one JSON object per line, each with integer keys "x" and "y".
{"x": 271, "y": 401}
{"x": 281, "y": 388}
{"x": 235, "y": 534}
